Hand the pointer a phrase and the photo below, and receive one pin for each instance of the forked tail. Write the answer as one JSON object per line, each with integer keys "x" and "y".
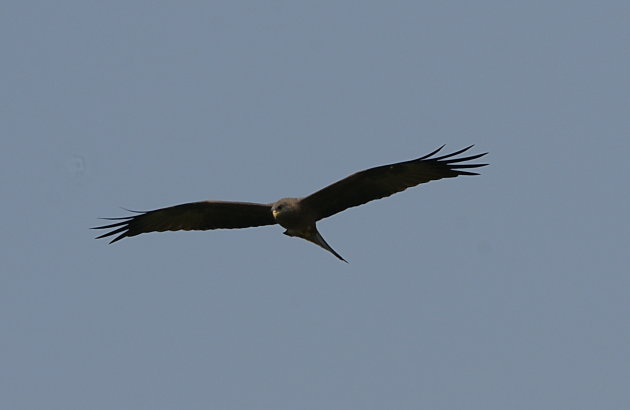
{"x": 319, "y": 240}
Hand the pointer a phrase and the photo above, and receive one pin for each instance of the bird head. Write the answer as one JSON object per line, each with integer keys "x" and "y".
{"x": 286, "y": 211}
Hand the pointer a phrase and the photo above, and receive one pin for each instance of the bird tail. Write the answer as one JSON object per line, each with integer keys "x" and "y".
{"x": 318, "y": 239}
{"x": 311, "y": 234}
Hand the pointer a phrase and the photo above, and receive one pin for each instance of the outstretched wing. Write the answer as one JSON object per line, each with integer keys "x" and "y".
{"x": 193, "y": 216}
{"x": 383, "y": 181}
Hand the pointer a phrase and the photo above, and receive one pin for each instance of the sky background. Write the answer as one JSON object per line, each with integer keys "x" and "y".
{"x": 503, "y": 291}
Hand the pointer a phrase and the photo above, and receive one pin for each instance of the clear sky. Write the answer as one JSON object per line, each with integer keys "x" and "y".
{"x": 510, "y": 290}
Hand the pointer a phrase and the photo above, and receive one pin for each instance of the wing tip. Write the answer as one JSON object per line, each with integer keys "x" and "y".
{"x": 122, "y": 228}
{"x": 453, "y": 163}
{"x": 429, "y": 155}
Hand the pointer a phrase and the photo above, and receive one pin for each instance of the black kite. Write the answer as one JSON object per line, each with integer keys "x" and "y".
{"x": 298, "y": 215}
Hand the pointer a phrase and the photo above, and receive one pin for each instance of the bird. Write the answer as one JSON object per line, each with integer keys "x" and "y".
{"x": 298, "y": 216}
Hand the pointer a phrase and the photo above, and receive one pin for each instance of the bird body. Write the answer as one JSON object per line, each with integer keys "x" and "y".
{"x": 297, "y": 215}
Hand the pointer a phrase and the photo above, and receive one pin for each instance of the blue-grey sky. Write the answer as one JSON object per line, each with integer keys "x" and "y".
{"x": 503, "y": 291}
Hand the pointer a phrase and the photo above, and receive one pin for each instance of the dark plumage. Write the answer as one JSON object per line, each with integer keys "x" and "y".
{"x": 298, "y": 215}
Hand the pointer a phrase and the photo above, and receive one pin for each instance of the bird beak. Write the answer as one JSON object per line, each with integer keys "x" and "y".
{"x": 274, "y": 212}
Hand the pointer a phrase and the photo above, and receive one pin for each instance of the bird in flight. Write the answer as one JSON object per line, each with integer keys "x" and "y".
{"x": 298, "y": 215}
